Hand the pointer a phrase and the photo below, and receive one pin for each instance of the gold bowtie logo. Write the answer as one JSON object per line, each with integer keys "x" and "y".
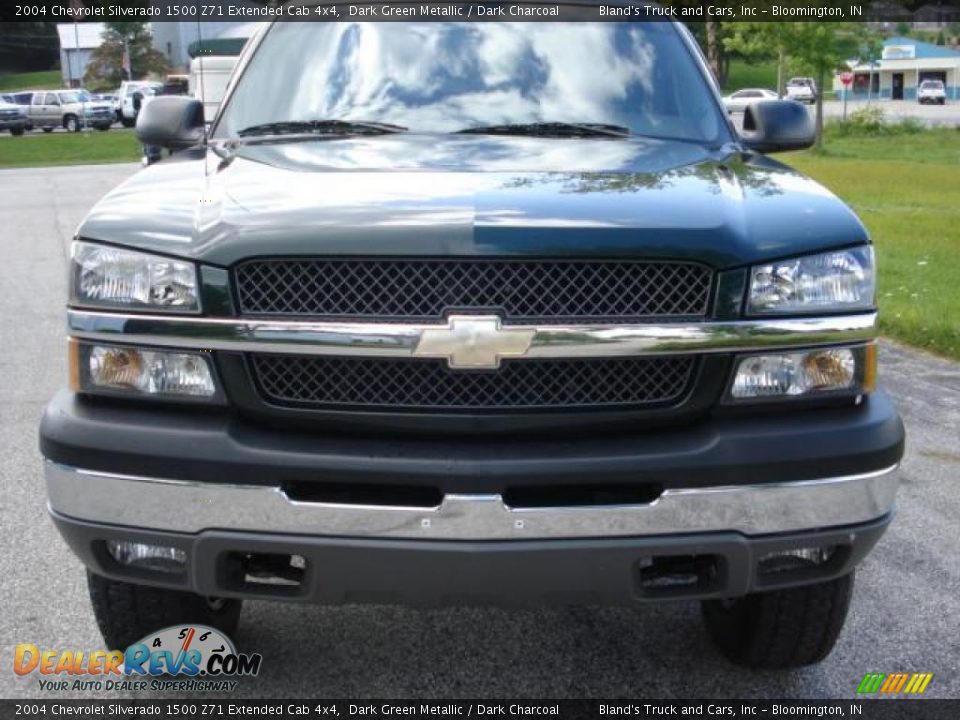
{"x": 474, "y": 342}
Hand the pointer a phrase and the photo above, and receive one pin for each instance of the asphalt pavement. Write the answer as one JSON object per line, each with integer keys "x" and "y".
{"x": 904, "y": 615}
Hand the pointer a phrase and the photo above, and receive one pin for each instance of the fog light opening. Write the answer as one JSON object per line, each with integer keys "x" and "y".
{"x": 141, "y": 556}
{"x": 782, "y": 561}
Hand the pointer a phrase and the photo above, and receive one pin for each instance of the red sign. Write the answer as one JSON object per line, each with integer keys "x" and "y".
{"x": 846, "y": 78}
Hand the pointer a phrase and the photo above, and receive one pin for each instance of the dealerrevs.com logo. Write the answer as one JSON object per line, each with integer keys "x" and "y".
{"x": 177, "y": 658}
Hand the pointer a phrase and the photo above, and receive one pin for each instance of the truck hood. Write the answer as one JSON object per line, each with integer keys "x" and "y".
{"x": 473, "y": 195}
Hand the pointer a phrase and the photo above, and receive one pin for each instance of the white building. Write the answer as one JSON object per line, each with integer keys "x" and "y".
{"x": 903, "y": 65}
{"x": 77, "y": 43}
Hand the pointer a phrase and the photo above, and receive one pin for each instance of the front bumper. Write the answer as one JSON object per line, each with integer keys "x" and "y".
{"x": 193, "y": 507}
{"x": 13, "y": 124}
{"x": 728, "y": 492}
{"x": 609, "y": 571}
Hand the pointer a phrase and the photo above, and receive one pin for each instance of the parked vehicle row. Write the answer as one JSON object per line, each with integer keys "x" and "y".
{"x": 71, "y": 110}
{"x": 74, "y": 109}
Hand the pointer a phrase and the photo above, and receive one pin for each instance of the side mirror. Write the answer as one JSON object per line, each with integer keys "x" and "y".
{"x": 174, "y": 122}
{"x": 777, "y": 126}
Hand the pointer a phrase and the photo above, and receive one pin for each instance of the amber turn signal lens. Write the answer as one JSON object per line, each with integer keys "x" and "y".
{"x": 870, "y": 368}
{"x": 73, "y": 364}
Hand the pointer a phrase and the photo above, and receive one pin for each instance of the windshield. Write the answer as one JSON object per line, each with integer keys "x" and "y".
{"x": 70, "y": 97}
{"x": 931, "y": 85}
{"x": 451, "y": 77}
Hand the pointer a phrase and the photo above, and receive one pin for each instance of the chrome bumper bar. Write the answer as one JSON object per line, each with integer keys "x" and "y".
{"x": 191, "y": 507}
{"x": 487, "y": 341}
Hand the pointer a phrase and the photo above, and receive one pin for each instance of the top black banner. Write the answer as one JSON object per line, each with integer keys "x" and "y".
{"x": 381, "y": 11}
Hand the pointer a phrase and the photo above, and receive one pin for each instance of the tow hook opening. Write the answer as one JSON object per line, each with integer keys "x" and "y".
{"x": 680, "y": 575}
{"x": 267, "y": 573}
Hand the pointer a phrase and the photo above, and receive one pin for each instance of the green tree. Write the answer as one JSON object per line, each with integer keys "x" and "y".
{"x": 106, "y": 70}
{"x": 820, "y": 48}
{"x": 941, "y": 39}
{"x": 711, "y": 34}
{"x": 759, "y": 41}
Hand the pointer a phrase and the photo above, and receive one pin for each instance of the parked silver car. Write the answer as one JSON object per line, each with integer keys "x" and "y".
{"x": 69, "y": 109}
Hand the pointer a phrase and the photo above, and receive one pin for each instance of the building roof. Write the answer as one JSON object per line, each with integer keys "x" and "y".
{"x": 90, "y": 35}
{"x": 923, "y": 49}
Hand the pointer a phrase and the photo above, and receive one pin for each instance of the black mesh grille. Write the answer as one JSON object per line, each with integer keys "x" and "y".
{"x": 518, "y": 289}
{"x": 432, "y": 385}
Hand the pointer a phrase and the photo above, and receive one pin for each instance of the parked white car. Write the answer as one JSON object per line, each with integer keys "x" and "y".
{"x": 802, "y": 89}
{"x": 932, "y": 91}
{"x": 737, "y": 102}
{"x": 127, "y": 104}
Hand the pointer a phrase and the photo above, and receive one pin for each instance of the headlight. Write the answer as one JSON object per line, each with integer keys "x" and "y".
{"x": 109, "y": 277}
{"x": 833, "y": 281}
{"x": 120, "y": 370}
{"x": 850, "y": 370}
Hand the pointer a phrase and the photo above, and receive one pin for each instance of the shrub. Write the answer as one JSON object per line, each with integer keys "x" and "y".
{"x": 871, "y": 122}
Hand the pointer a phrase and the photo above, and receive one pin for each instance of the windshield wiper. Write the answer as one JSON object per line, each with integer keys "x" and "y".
{"x": 551, "y": 129}
{"x": 321, "y": 127}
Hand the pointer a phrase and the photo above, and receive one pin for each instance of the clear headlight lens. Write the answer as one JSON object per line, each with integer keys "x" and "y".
{"x": 810, "y": 372}
{"x": 111, "y": 277}
{"x": 116, "y": 370}
{"x": 839, "y": 280}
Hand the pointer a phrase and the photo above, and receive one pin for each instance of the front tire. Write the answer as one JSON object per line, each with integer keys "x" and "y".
{"x": 126, "y": 612}
{"x": 71, "y": 124}
{"x": 17, "y": 132}
{"x": 780, "y": 629}
{"x": 127, "y": 123}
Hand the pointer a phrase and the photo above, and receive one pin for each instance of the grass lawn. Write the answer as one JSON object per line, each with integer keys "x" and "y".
{"x": 48, "y": 79}
{"x": 742, "y": 75}
{"x": 37, "y": 149}
{"x": 906, "y": 189}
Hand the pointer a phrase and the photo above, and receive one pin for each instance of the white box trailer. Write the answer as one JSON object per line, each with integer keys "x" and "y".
{"x": 209, "y": 76}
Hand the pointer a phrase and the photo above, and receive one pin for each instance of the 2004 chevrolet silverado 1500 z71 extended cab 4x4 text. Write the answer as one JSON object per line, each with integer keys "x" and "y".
{"x": 449, "y": 313}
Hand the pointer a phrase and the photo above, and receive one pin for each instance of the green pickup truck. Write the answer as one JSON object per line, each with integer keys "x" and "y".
{"x": 448, "y": 313}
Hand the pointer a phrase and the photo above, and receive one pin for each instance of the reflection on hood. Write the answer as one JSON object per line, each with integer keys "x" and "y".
{"x": 472, "y": 153}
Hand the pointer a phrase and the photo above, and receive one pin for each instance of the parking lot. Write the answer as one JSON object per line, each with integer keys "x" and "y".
{"x": 932, "y": 115}
{"x": 903, "y": 616}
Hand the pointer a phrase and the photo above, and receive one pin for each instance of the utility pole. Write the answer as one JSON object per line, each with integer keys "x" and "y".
{"x": 76, "y": 42}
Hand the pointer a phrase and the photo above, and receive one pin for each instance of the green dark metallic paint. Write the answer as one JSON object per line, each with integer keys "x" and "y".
{"x": 446, "y": 195}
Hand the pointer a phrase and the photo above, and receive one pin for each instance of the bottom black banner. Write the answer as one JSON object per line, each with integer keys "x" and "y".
{"x": 353, "y": 710}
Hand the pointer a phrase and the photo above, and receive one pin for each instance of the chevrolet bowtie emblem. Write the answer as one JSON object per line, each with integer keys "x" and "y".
{"x": 474, "y": 342}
